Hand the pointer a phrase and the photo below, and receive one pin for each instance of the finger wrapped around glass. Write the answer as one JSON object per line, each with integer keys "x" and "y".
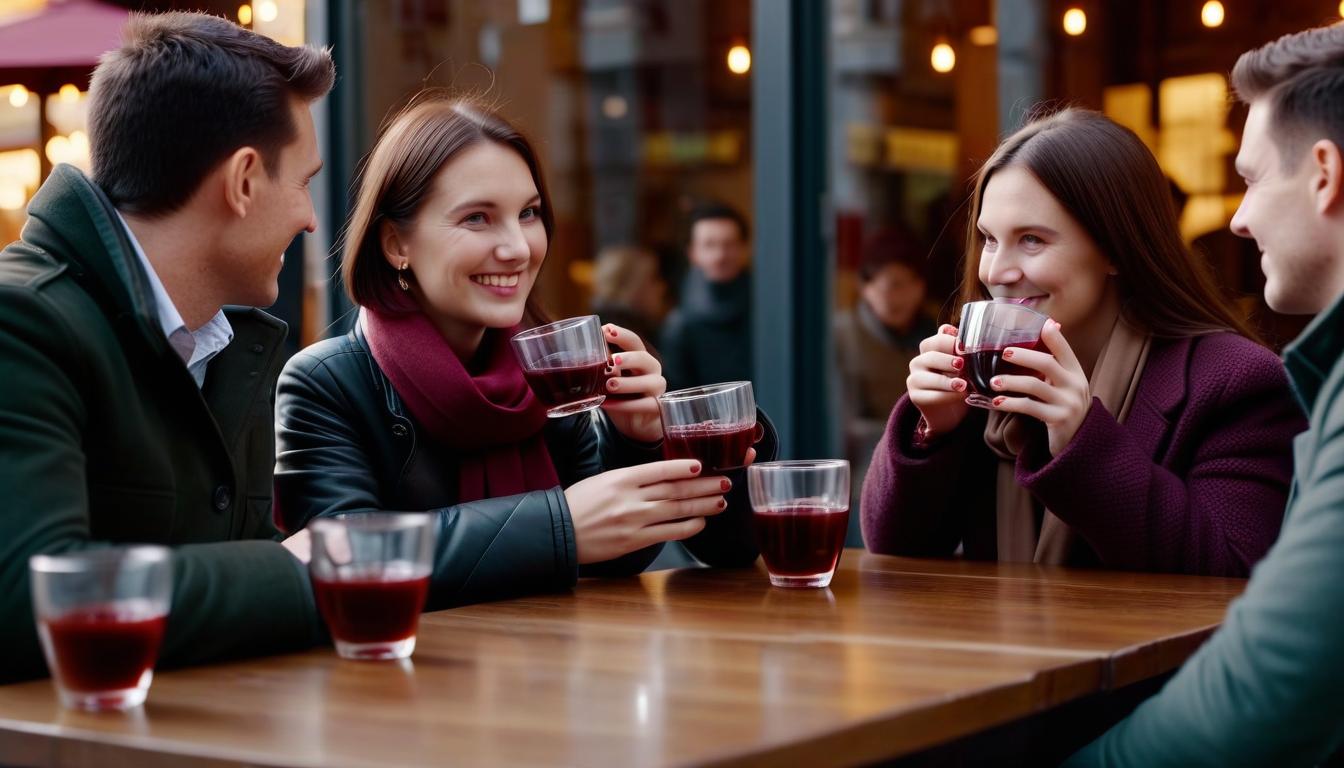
{"x": 715, "y": 424}
{"x": 800, "y": 513}
{"x": 101, "y": 615}
{"x": 371, "y": 576}
{"x": 565, "y": 364}
{"x": 987, "y": 328}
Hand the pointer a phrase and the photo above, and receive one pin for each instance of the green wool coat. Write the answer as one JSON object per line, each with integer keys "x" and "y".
{"x": 105, "y": 438}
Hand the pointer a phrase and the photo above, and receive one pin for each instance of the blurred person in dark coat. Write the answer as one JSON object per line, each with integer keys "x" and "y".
{"x": 707, "y": 338}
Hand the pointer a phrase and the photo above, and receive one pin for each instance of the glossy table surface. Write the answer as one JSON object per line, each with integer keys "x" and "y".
{"x": 671, "y": 668}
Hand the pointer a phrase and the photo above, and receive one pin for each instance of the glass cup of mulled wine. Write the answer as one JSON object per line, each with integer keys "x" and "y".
{"x": 370, "y": 574}
{"x": 565, "y": 364}
{"x": 101, "y": 616}
{"x": 987, "y": 328}
{"x": 715, "y": 424}
{"x": 800, "y": 514}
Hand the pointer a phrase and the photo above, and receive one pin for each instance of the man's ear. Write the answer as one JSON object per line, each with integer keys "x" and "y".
{"x": 241, "y": 174}
{"x": 1327, "y": 176}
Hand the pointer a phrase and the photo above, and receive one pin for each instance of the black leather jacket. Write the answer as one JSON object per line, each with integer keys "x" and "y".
{"x": 345, "y": 443}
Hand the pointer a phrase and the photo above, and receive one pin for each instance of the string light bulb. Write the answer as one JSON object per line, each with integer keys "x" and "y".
{"x": 1212, "y": 14}
{"x": 18, "y": 96}
{"x": 739, "y": 60}
{"x": 1075, "y": 22}
{"x": 943, "y": 58}
{"x": 245, "y": 15}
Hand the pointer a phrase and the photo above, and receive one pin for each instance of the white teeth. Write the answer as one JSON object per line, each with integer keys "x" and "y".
{"x": 498, "y": 281}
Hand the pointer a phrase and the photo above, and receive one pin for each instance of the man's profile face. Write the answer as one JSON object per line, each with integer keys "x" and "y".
{"x": 283, "y": 210}
{"x": 717, "y": 249}
{"x": 1279, "y": 212}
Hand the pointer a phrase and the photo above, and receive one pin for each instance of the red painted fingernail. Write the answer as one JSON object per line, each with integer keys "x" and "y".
{"x": 616, "y": 359}
{"x": 613, "y": 383}
{"x": 958, "y": 363}
{"x": 723, "y": 504}
{"x": 611, "y": 331}
{"x": 695, "y": 470}
{"x": 1007, "y": 354}
{"x": 998, "y": 401}
{"x": 996, "y": 383}
{"x": 958, "y": 385}
{"x": 726, "y": 484}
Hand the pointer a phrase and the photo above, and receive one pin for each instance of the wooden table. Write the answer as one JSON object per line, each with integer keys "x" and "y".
{"x": 671, "y": 668}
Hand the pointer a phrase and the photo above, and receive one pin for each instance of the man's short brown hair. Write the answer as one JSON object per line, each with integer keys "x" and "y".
{"x": 182, "y": 93}
{"x": 1302, "y": 75}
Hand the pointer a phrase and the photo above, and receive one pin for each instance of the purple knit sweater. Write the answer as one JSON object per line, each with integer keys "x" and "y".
{"x": 1195, "y": 481}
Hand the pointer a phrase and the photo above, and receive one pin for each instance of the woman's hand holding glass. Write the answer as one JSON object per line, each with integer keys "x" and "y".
{"x": 624, "y": 510}
{"x": 636, "y": 379}
{"x": 935, "y": 384}
{"x": 1060, "y": 398}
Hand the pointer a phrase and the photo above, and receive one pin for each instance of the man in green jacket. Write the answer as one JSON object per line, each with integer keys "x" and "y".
{"x": 133, "y": 406}
{"x": 1266, "y": 688}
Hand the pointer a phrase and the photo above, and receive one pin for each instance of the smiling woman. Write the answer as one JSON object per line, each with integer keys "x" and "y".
{"x": 423, "y": 406}
{"x": 1147, "y": 430}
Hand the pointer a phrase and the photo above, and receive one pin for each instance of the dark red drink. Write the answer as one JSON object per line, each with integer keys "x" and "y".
{"x": 372, "y": 609}
{"x": 567, "y": 383}
{"x": 716, "y": 446}
{"x": 104, "y": 648}
{"x": 982, "y": 365}
{"x": 801, "y": 541}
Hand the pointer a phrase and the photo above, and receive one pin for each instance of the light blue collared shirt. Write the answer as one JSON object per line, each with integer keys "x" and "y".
{"x": 196, "y": 348}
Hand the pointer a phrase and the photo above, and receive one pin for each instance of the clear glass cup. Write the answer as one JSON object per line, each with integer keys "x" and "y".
{"x": 565, "y": 364}
{"x": 987, "y": 328}
{"x": 715, "y": 424}
{"x": 800, "y": 513}
{"x": 371, "y": 577}
{"x": 101, "y": 615}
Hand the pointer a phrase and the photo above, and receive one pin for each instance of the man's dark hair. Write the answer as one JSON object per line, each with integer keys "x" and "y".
{"x": 715, "y": 210}
{"x": 182, "y": 93}
{"x": 1302, "y": 75}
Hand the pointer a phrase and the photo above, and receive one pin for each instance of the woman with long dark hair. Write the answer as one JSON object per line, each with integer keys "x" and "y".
{"x": 423, "y": 407}
{"x": 1149, "y": 431}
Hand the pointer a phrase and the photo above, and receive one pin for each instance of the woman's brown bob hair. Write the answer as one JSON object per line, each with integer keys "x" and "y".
{"x": 398, "y": 176}
{"x": 1111, "y": 184}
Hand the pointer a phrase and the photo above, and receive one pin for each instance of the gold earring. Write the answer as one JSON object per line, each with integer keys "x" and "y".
{"x": 401, "y": 276}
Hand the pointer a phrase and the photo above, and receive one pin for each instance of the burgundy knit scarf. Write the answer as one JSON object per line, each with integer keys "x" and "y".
{"x": 490, "y": 418}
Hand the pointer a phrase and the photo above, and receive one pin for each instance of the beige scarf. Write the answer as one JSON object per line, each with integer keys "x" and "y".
{"x": 1115, "y": 379}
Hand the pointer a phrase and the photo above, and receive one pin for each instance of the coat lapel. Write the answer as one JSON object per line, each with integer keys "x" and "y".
{"x": 1161, "y": 394}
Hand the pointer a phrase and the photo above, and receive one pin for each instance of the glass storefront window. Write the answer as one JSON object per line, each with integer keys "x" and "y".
{"x": 634, "y": 105}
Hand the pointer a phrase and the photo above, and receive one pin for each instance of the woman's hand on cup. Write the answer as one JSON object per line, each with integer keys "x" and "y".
{"x": 1060, "y": 398}
{"x": 635, "y": 380}
{"x": 624, "y": 510}
{"x": 935, "y": 384}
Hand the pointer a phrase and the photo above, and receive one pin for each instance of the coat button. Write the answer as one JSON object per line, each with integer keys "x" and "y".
{"x": 399, "y": 430}
{"x": 223, "y": 498}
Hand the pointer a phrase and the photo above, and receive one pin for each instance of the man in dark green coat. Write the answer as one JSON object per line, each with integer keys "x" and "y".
{"x": 133, "y": 406}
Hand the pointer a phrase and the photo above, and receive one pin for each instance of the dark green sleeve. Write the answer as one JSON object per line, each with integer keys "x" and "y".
{"x": 232, "y": 598}
{"x": 1264, "y": 690}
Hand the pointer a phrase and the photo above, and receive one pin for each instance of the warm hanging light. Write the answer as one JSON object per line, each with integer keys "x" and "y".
{"x": 1212, "y": 14}
{"x": 1075, "y": 22}
{"x": 245, "y": 15}
{"x": 1341, "y": 9}
{"x": 18, "y": 96}
{"x": 985, "y": 34}
{"x": 267, "y": 11}
{"x": 943, "y": 58}
{"x": 69, "y": 93}
{"x": 739, "y": 59}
